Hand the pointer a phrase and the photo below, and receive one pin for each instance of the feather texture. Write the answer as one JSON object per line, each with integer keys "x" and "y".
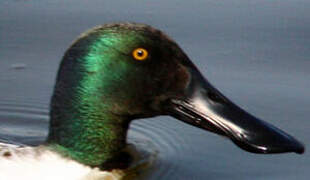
{"x": 39, "y": 163}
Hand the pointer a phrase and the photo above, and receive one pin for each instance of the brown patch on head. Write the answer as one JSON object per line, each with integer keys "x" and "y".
{"x": 182, "y": 77}
{"x": 173, "y": 86}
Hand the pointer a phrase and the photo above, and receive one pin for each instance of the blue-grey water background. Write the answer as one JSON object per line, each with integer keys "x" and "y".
{"x": 256, "y": 52}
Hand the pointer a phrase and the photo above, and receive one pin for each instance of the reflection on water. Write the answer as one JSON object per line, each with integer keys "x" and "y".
{"x": 256, "y": 53}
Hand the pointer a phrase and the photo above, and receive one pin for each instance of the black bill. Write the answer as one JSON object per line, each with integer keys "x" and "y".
{"x": 205, "y": 107}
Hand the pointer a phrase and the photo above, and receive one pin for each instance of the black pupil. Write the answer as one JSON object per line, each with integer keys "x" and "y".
{"x": 140, "y": 53}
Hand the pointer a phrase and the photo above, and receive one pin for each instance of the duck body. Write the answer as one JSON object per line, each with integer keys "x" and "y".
{"x": 117, "y": 73}
{"x": 37, "y": 163}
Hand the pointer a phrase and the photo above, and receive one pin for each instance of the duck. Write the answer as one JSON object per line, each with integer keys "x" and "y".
{"x": 116, "y": 73}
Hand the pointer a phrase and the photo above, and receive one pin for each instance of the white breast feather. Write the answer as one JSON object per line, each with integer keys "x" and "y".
{"x": 39, "y": 163}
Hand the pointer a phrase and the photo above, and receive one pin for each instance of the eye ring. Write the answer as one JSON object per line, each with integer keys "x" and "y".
{"x": 140, "y": 54}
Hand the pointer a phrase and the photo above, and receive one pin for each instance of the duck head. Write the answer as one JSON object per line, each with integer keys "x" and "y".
{"x": 116, "y": 73}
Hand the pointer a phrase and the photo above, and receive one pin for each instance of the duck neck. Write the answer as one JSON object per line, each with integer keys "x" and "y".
{"x": 89, "y": 140}
{"x": 83, "y": 128}
{"x": 89, "y": 115}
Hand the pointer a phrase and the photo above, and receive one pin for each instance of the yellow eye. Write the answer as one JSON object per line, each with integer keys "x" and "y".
{"x": 140, "y": 54}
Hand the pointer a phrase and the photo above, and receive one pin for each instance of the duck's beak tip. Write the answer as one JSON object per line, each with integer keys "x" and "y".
{"x": 300, "y": 151}
{"x": 300, "y": 148}
{"x": 285, "y": 144}
{"x": 297, "y": 148}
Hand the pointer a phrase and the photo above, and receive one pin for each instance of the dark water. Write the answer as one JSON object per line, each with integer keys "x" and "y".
{"x": 256, "y": 53}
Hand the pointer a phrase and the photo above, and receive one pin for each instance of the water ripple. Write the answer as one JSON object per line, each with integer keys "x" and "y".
{"x": 170, "y": 143}
{"x": 23, "y": 122}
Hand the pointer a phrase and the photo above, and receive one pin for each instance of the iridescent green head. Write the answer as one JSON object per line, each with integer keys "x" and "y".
{"x": 109, "y": 76}
{"x": 115, "y": 73}
{"x": 127, "y": 69}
